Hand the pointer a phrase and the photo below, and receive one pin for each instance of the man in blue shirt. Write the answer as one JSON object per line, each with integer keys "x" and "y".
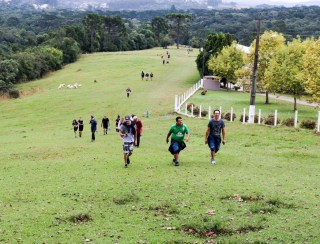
{"x": 213, "y": 134}
{"x": 93, "y": 123}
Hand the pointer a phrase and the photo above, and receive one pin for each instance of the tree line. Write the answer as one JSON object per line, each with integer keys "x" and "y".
{"x": 288, "y": 67}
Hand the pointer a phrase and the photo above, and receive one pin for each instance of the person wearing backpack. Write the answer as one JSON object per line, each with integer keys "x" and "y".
{"x": 177, "y": 133}
{"x": 128, "y": 133}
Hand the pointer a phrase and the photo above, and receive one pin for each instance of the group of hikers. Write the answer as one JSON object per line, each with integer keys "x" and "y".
{"x": 165, "y": 61}
{"x": 130, "y": 131}
{"x": 146, "y": 75}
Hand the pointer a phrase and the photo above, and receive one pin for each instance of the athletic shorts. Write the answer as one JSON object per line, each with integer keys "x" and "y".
{"x": 214, "y": 143}
{"x": 80, "y": 127}
{"x": 127, "y": 147}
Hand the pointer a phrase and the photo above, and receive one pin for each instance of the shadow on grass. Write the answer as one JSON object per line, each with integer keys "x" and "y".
{"x": 126, "y": 198}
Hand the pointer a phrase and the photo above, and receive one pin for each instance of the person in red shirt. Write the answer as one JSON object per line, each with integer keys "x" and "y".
{"x": 138, "y": 124}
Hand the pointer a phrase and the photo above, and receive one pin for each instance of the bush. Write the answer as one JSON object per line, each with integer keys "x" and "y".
{"x": 14, "y": 93}
{"x": 308, "y": 124}
{"x": 196, "y": 110}
{"x": 288, "y": 122}
{"x": 246, "y": 118}
{"x": 204, "y": 113}
{"x": 189, "y": 106}
{"x": 270, "y": 120}
{"x": 204, "y": 92}
{"x": 227, "y": 116}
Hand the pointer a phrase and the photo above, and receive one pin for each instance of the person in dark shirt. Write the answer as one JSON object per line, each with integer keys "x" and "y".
{"x": 128, "y": 92}
{"x": 75, "y": 127}
{"x": 80, "y": 122}
{"x": 117, "y": 123}
{"x": 105, "y": 125}
{"x": 213, "y": 134}
{"x": 142, "y": 75}
{"x": 93, "y": 123}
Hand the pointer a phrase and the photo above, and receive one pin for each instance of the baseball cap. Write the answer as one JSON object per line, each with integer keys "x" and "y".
{"x": 127, "y": 117}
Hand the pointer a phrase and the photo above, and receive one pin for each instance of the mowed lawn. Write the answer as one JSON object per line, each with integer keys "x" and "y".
{"x": 59, "y": 189}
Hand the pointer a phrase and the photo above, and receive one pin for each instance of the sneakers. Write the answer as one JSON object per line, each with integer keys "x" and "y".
{"x": 173, "y": 160}
{"x": 213, "y": 162}
{"x": 126, "y": 165}
{"x": 176, "y": 163}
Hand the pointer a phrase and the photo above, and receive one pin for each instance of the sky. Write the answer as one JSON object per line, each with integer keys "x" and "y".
{"x": 255, "y": 2}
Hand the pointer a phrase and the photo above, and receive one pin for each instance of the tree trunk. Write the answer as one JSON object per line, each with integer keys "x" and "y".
{"x": 295, "y": 104}
{"x": 267, "y": 97}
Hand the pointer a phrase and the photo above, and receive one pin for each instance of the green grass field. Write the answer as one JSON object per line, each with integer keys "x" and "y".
{"x": 59, "y": 189}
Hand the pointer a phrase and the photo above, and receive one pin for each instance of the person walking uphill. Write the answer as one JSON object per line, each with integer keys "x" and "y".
{"x": 177, "y": 133}
{"x": 128, "y": 133}
{"x": 105, "y": 125}
{"x": 213, "y": 134}
{"x": 93, "y": 123}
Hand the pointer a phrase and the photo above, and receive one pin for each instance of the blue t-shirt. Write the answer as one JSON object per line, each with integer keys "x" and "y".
{"x": 216, "y": 127}
{"x": 93, "y": 123}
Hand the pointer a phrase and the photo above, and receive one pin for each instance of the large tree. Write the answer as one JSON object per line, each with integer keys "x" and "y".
{"x": 270, "y": 43}
{"x": 285, "y": 72}
{"x": 160, "y": 28}
{"x": 114, "y": 33}
{"x": 227, "y": 62}
{"x": 213, "y": 46}
{"x": 178, "y": 24}
{"x": 93, "y": 24}
{"x": 311, "y": 62}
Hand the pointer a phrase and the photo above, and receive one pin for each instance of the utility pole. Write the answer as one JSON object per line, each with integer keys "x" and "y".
{"x": 254, "y": 77}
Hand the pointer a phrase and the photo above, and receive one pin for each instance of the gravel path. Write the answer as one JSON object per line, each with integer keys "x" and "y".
{"x": 290, "y": 99}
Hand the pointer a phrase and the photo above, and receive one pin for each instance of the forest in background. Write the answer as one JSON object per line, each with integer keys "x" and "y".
{"x": 34, "y": 42}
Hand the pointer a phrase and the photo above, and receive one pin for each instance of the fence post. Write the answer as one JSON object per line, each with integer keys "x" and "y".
{"x": 244, "y": 116}
{"x": 186, "y": 108}
{"x": 209, "y": 112}
{"x": 318, "y": 128}
{"x": 191, "y": 110}
{"x": 296, "y": 119}
{"x": 231, "y": 115}
{"x": 275, "y": 117}
{"x": 220, "y": 112}
{"x": 175, "y": 103}
{"x": 200, "y": 111}
{"x": 259, "y": 117}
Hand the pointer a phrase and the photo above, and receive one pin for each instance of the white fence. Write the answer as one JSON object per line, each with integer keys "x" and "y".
{"x": 180, "y": 100}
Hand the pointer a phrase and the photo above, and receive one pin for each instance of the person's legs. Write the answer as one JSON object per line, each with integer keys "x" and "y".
{"x": 138, "y": 140}
{"x": 212, "y": 146}
{"x": 176, "y": 150}
{"x": 93, "y": 137}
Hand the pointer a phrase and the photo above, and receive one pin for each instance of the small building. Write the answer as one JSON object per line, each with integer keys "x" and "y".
{"x": 211, "y": 83}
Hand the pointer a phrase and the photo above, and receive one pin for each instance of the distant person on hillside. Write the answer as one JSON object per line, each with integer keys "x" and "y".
{"x": 117, "y": 123}
{"x": 128, "y": 92}
{"x": 213, "y": 134}
{"x": 147, "y": 76}
{"x": 151, "y": 76}
{"x": 80, "y": 121}
{"x": 128, "y": 133}
{"x": 93, "y": 123}
{"x": 142, "y": 75}
{"x": 138, "y": 124}
{"x": 105, "y": 125}
{"x": 120, "y": 123}
{"x": 75, "y": 127}
{"x": 177, "y": 133}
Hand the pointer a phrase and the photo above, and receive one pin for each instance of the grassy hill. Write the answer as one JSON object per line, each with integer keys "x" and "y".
{"x": 59, "y": 189}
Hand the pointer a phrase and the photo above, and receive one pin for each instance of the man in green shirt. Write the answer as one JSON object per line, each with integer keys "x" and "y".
{"x": 177, "y": 133}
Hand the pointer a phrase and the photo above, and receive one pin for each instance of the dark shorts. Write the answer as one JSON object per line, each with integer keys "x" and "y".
{"x": 80, "y": 127}
{"x": 214, "y": 143}
{"x": 127, "y": 147}
{"x": 176, "y": 147}
{"x": 75, "y": 129}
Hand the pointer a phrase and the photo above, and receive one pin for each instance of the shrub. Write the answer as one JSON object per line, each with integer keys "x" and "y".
{"x": 204, "y": 113}
{"x": 14, "y": 93}
{"x": 196, "y": 110}
{"x": 308, "y": 124}
{"x": 189, "y": 106}
{"x": 204, "y": 92}
{"x": 246, "y": 118}
{"x": 227, "y": 116}
{"x": 288, "y": 122}
{"x": 270, "y": 120}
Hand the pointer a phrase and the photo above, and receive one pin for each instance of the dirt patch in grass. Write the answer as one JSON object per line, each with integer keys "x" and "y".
{"x": 164, "y": 209}
{"x": 248, "y": 228}
{"x": 80, "y": 218}
{"x": 126, "y": 198}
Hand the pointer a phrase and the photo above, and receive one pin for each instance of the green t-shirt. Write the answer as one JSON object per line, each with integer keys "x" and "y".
{"x": 178, "y": 132}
